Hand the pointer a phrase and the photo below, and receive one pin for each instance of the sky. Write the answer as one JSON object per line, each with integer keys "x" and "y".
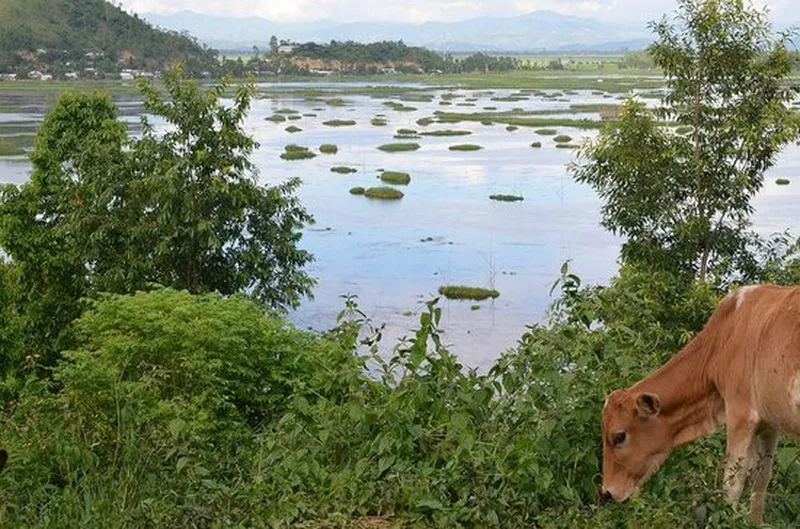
{"x": 419, "y": 11}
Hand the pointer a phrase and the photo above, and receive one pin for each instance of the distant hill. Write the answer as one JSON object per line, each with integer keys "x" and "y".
{"x": 65, "y": 31}
{"x": 537, "y": 31}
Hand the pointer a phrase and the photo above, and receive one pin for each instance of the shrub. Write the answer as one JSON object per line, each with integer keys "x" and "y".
{"x": 395, "y": 177}
{"x": 464, "y": 292}
{"x": 292, "y": 129}
{"x": 383, "y": 193}
{"x": 562, "y": 138}
{"x": 566, "y": 146}
{"x": 399, "y": 147}
{"x": 296, "y": 152}
{"x": 286, "y": 111}
{"x": 343, "y": 170}
{"x": 339, "y": 123}
{"x": 328, "y": 148}
{"x": 506, "y": 198}
{"x": 277, "y": 118}
{"x": 782, "y": 181}
{"x": 465, "y": 147}
{"x": 356, "y": 190}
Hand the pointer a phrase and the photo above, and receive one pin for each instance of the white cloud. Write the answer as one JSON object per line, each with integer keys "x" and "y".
{"x": 418, "y": 11}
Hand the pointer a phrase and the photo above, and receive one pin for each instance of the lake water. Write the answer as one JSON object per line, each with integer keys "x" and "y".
{"x": 381, "y": 251}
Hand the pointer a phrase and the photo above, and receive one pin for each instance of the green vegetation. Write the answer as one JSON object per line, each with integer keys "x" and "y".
{"x": 379, "y": 122}
{"x": 683, "y": 130}
{"x": 343, "y": 170}
{"x": 339, "y": 123}
{"x": 293, "y": 128}
{"x": 357, "y": 190}
{"x": 395, "y": 177}
{"x": 277, "y": 118}
{"x": 782, "y": 181}
{"x": 511, "y": 128}
{"x": 446, "y": 132}
{"x": 562, "y": 138}
{"x": 399, "y": 107}
{"x": 286, "y": 111}
{"x": 566, "y": 146}
{"x": 536, "y": 144}
{"x": 474, "y": 307}
{"x": 9, "y": 149}
{"x": 56, "y": 35}
{"x": 424, "y": 122}
{"x": 406, "y": 134}
{"x": 465, "y": 147}
{"x": 296, "y": 152}
{"x": 383, "y": 193}
{"x": 328, "y": 148}
{"x": 399, "y": 147}
{"x": 461, "y": 292}
{"x": 507, "y": 198}
{"x": 546, "y": 132}
{"x": 337, "y": 102}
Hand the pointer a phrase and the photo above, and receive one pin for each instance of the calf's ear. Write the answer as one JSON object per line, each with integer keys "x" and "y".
{"x": 648, "y": 405}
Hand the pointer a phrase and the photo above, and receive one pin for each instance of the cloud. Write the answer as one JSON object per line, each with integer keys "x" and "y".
{"x": 418, "y": 11}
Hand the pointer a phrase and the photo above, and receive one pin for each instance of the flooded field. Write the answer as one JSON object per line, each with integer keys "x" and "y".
{"x": 394, "y": 255}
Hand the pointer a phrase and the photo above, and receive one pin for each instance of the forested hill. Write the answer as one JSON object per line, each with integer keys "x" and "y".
{"x": 69, "y": 34}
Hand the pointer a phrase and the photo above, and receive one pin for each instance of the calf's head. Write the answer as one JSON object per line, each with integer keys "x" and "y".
{"x": 635, "y": 442}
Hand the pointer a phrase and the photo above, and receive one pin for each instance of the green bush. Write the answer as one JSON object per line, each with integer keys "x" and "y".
{"x": 383, "y": 193}
{"x": 395, "y": 177}
{"x": 399, "y": 147}
{"x": 328, "y": 148}
{"x": 277, "y": 118}
{"x": 379, "y": 122}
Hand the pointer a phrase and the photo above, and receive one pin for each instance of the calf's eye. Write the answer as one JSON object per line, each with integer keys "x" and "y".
{"x": 618, "y": 438}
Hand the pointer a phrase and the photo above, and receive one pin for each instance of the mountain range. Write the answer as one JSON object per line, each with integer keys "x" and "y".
{"x": 536, "y": 31}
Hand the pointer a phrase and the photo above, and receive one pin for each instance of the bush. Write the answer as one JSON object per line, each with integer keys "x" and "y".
{"x": 465, "y": 147}
{"x": 399, "y": 147}
{"x": 562, "y": 138}
{"x": 328, "y": 148}
{"x": 464, "y": 292}
{"x": 379, "y": 122}
{"x": 395, "y": 177}
{"x": 343, "y": 170}
{"x": 357, "y": 190}
{"x": 782, "y": 181}
{"x": 292, "y": 129}
{"x": 296, "y": 152}
{"x": 383, "y": 193}
{"x": 277, "y": 118}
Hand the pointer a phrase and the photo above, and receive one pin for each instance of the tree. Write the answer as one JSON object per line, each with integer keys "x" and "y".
{"x": 103, "y": 212}
{"x": 683, "y": 201}
{"x": 273, "y": 44}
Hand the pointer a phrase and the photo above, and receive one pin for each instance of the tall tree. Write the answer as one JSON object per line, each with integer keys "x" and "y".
{"x": 684, "y": 201}
{"x": 180, "y": 207}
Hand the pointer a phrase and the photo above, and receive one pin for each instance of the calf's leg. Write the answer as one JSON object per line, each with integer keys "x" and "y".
{"x": 740, "y": 444}
{"x": 766, "y": 442}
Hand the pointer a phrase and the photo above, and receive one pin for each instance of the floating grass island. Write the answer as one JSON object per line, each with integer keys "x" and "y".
{"x": 337, "y": 102}
{"x": 9, "y": 149}
{"x": 566, "y": 146}
{"x": 328, "y": 148}
{"x": 536, "y": 145}
{"x": 399, "y": 147}
{"x": 511, "y": 128}
{"x": 286, "y": 111}
{"x": 446, "y": 132}
{"x": 277, "y": 118}
{"x": 296, "y": 152}
{"x": 396, "y": 178}
{"x": 782, "y": 181}
{"x": 379, "y": 122}
{"x": 506, "y": 198}
{"x": 356, "y": 190}
{"x": 562, "y": 138}
{"x": 341, "y": 169}
{"x": 399, "y": 107}
{"x": 546, "y": 132}
{"x": 470, "y": 293}
{"x": 424, "y": 122}
{"x": 292, "y": 129}
{"x": 339, "y": 123}
{"x": 466, "y": 147}
{"x": 383, "y": 193}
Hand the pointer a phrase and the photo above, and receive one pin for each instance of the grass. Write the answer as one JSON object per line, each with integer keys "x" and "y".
{"x": 399, "y": 107}
{"x": 328, "y": 148}
{"x": 446, "y": 132}
{"x": 286, "y": 111}
{"x": 566, "y": 146}
{"x": 292, "y": 129}
{"x": 466, "y": 147}
{"x": 424, "y": 122}
{"x": 294, "y": 117}
{"x": 277, "y": 118}
{"x": 399, "y": 147}
{"x": 296, "y": 152}
{"x": 343, "y": 170}
{"x": 506, "y": 198}
{"x": 379, "y": 122}
{"x": 562, "y": 138}
{"x": 396, "y": 178}
{"x": 511, "y": 128}
{"x": 465, "y": 292}
{"x": 356, "y": 190}
{"x": 475, "y": 307}
{"x": 782, "y": 181}
{"x": 337, "y": 102}
{"x": 383, "y": 193}
{"x": 9, "y": 149}
{"x": 522, "y": 119}
{"x": 406, "y": 131}
{"x": 536, "y": 145}
{"x": 683, "y": 130}
{"x": 546, "y": 132}
{"x": 339, "y": 123}
{"x": 594, "y": 107}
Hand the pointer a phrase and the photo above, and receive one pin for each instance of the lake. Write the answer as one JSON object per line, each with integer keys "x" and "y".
{"x": 394, "y": 255}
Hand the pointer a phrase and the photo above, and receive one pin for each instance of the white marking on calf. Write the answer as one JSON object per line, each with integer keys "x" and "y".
{"x": 794, "y": 390}
{"x": 742, "y": 293}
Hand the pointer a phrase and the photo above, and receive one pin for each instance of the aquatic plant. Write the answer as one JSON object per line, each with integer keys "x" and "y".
{"x": 339, "y": 123}
{"x": 296, "y": 152}
{"x": 9, "y": 149}
{"x": 328, "y": 148}
{"x": 277, "y": 118}
{"x": 546, "y": 132}
{"x": 399, "y": 147}
{"x": 466, "y": 147}
{"x": 465, "y": 292}
{"x": 395, "y": 177}
{"x": 506, "y": 198}
{"x": 356, "y": 190}
{"x": 536, "y": 144}
{"x": 446, "y": 132}
{"x": 562, "y": 138}
{"x": 292, "y": 129}
{"x": 782, "y": 181}
{"x": 383, "y": 193}
{"x": 341, "y": 169}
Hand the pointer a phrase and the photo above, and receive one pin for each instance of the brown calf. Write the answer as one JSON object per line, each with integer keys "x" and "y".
{"x": 742, "y": 370}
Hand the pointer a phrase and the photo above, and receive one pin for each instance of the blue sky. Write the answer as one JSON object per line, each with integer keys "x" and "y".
{"x": 418, "y": 11}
